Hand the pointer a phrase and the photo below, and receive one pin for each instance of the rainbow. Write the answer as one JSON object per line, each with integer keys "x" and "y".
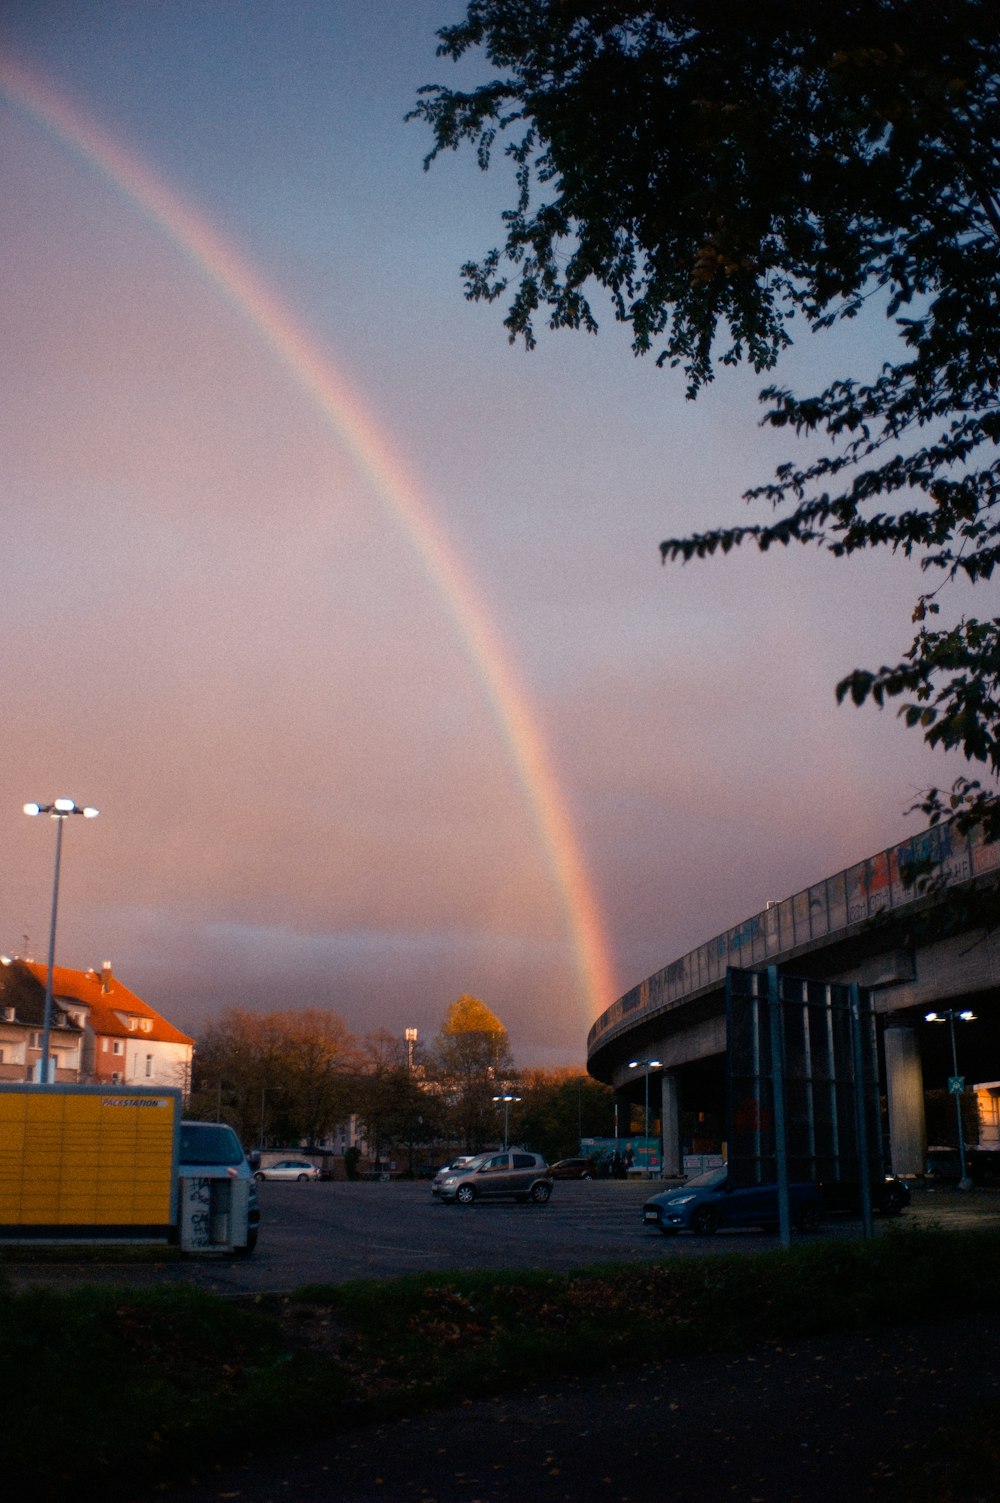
{"x": 375, "y": 459}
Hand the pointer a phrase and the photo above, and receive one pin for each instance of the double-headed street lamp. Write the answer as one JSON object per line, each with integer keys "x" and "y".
{"x": 645, "y": 1065}
{"x": 59, "y": 810}
{"x": 506, "y": 1099}
{"x": 956, "y": 1084}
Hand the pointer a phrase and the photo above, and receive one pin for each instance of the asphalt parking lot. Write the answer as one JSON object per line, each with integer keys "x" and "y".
{"x": 328, "y": 1232}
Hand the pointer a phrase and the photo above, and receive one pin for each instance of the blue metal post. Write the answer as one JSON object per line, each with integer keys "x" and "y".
{"x": 860, "y": 1107}
{"x": 778, "y": 1097}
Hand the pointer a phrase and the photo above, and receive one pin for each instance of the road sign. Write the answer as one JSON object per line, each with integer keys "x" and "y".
{"x": 956, "y": 1084}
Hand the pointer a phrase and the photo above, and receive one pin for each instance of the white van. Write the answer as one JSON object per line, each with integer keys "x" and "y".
{"x": 211, "y": 1151}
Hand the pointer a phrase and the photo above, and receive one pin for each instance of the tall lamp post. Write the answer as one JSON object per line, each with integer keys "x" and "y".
{"x": 60, "y": 809}
{"x": 956, "y": 1084}
{"x": 268, "y": 1090}
{"x": 506, "y": 1099}
{"x": 645, "y": 1065}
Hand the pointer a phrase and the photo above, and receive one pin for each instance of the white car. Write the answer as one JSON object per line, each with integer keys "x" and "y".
{"x": 447, "y": 1169}
{"x": 300, "y": 1169}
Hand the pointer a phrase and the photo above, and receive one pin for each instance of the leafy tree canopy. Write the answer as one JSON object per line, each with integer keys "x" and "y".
{"x": 722, "y": 171}
{"x": 469, "y": 1015}
{"x": 472, "y": 1063}
{"x": 558, "y": 1107}
{"x": 391, "y": 1097}
{"x": 286, "y": 1074}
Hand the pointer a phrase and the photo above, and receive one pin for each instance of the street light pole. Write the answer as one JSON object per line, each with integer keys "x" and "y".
{"x": 954, "y": 1085}
{"x": 645, "y": 1065}
{"x": 59, "y": 810}
{"x": 506, "y": 1099}
{"x": 263, "y": 1096}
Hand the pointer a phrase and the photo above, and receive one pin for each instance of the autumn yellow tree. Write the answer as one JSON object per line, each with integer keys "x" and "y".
{"x": 473, "y": 1063}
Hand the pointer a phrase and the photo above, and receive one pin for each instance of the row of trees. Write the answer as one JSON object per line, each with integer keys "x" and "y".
{"x": 292, "y": 1076}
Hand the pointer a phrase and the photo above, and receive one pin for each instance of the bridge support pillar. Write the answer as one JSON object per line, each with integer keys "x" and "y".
{"x": 905, "y": 1096}
{"x": 670, "y": 1120}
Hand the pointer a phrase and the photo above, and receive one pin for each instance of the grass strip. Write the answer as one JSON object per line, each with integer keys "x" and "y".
{"x": 167, "y": 1381}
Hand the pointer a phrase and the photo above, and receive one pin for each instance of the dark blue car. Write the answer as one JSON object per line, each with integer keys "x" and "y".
{"x": 708, "y": 1202}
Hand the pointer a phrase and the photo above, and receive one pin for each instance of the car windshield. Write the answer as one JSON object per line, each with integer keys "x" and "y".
{"x": 706, "y": 1181}
{"x": 209, "y": 1143}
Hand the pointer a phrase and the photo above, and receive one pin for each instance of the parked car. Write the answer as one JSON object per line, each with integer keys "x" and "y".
{"x": 708, "y": 1201}
{"x": 513, "y": 1175}
{"x": 890, "y": 1196}
{"x": 984, "y": 1164}
{"x": 943, "y": 1164}
{"x": 299, "y": 1169}
{"x": 573, "y": 1169}
{"x": 214, "y": 1150}
{"x": 452, "y": 1168}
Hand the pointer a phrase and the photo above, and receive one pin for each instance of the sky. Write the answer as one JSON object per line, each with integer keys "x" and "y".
{"x": 348, "y": 615}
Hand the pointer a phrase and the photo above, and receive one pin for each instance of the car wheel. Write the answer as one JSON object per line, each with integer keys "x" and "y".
{"x": 303, "y": 1178}
{"x": 808, "y": 1219}
{"x": 586, "y": 1176}
{"x": 894, "y": 1204}
{"x": 244, "y": 1252}
{"x": 259, "y": 1176}
{"x": 465, "y": 1195}
{"x": 540, "y": 1194}
{"x": 668, "y": 1231}
{"x": 705, "y": 1221}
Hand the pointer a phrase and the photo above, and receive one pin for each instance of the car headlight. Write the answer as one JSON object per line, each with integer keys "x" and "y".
{"x": 680, "y": 1200}
{"x": 450, "y": 1180}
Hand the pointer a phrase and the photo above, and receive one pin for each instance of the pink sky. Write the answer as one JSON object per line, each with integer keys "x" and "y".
{"x": 217, "y": 629}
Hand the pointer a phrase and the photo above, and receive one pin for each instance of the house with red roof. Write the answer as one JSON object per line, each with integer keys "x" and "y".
{"x": 22, "y": 1020}
{"x": 120, "y": 1040}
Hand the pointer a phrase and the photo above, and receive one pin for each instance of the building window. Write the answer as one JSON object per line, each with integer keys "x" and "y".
{"x": 116, "y": 1078}
{"x": 149, "y": 1065}
{"x": 116, "y": 1047}
{"x": 105, "y": 1045}
{"x": 146, "y": 1024}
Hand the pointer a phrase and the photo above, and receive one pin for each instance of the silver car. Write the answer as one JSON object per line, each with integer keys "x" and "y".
{"x": 300, "y": 1169}
{"x": 514, "y": 1174}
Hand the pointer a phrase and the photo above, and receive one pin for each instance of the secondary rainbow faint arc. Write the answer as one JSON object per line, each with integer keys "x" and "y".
{"x": 373, "y": 455}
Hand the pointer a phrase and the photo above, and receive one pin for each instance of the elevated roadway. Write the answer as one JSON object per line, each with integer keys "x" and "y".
{"x": 876, "y": 923}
